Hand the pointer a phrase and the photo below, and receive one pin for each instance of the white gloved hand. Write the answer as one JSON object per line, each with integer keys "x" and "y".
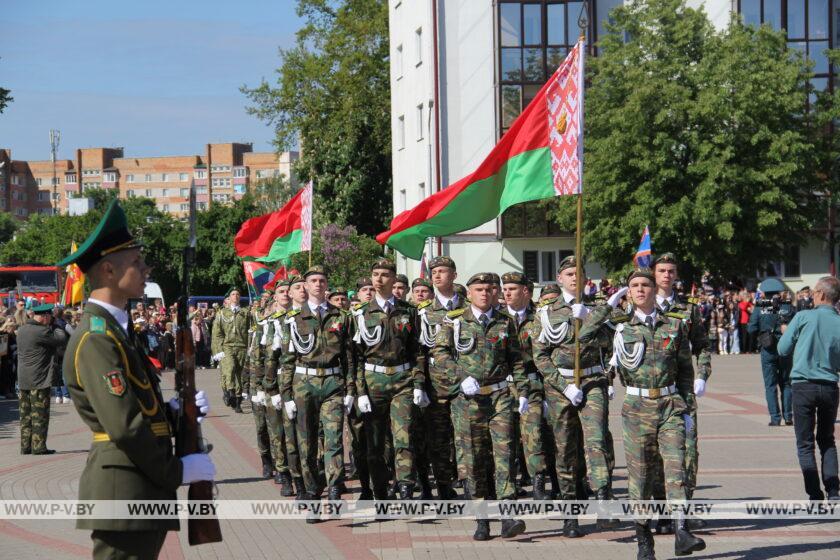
{"x": 689, "y": 423}
{"x": 197, "y": 467}
{"x": 610, "y": 392}
{"x": 579, "y": 311}
{"x": 699, "y": 387}
{"x": 523, "y": 405}
{"x": 256, "y": 399}
{"x": 364, "y": 404}
{"x": 574, "y": 394}
{"x": 260, "y": 397}
{"x": 202, "y": 403}
{"x": 291, "y": 409}
{"x": 218, "y": 357}
{"x": 244, "y": 395}
{"x": 348, "y": 404}
{"x": 616, "y": 297}
{"x": 277, "y": 401}
{"x": 420, "y": 398}
{"x": 174, "y": 404}
{"x": 545, "y": 408}
{"x": 470, "y": 386}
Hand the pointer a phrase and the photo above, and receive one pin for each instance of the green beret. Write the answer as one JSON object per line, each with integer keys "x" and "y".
{"x": 461, "y": 290}
{"x": 441, "y": 261}
{"x": 295, "y": 279}
{"x": 402, "y": 278}
{"x": 231, "y": 290}
{"x": 422, "y": 282}
{"x": 550, "y": 289}
{"x": 362, "y": 282}
{"x": 568, "y": 262}
{"x": 282, "y": 283}
{"x": 111, "y": 235}
{"x": 43, "y": 309}
{"x": 314, "y": 269}
{"x": 338, "y": 291}
{"x": 665, "y": 258}
{"x": 481, "y": 278}
{"x": 515, "y": 278}
{"x": 385, "y": 264}
{"x": 642, "y": 273}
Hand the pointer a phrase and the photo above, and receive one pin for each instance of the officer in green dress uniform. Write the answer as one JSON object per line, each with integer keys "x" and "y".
{"x": 230, "y": 347}
{"x": 117, "y": 393}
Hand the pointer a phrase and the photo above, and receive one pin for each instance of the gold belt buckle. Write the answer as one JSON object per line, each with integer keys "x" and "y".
{"x": 390, "y": 370}
{"x": 655, "y": 393}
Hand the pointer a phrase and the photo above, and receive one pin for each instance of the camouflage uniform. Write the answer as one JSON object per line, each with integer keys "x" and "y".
{"x": 389, "y": 367}
{"x": 316, "y": 372}
{"x": 34, "y": 406}
{"x": 256, "y": 361}
{"x": 230, "y": 335}
{"x": 488, "y": 354}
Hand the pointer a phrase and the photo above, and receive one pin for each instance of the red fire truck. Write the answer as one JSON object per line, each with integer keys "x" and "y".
{"x": 23, "y": 281}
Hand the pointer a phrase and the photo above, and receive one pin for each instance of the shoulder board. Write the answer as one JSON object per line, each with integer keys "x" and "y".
{"x": 277, "y": 315}
{"x": 675, "y": 315}
{"x": 620, "y": 319}
{"x": 455, "y": 313}
{"x": 693, "y": 300}
{"x": 424, "y": 304}
{"x": 292, "y": 313}
{"x": 547, "y": 301}
{"x": 359, "y": 305}
{"x": 97, "y": 325}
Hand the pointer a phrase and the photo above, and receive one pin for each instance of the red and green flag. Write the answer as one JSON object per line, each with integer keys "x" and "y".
{"x": 540, "y": 156}
{"x": 279, "y": 235}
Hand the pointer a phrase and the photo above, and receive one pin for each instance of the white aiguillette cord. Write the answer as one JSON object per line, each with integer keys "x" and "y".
{"x": 362, "y": 334}
{"x": 629, "y": 360}
{"x": 456, "y": 329}
{"x": 428, "y": 333}
{"x": 550, "y": 334}
{"x": 298, "y": 344}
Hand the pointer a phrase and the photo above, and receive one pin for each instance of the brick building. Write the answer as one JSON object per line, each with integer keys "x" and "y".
{"x": 223, "y": 173}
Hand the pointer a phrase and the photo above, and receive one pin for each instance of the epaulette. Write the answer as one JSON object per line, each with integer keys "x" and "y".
{"x": 620, "y": 319}
{"x": 292, "y": 313}
{"x": 693, "y": 300}
{"x": 424, "y": 304}
{"x": 547, "y": 301}
{"x": 277, "y": 314}
{"x": 675, "y": 315}
{"x": 455, "y": 313}
{"x": 97, "y": 325}
{"x": 359, "y": 305}
{"x": 504, "y": 313}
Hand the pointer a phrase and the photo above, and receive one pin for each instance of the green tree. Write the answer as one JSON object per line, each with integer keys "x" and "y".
{"x": 701, "y": 135}
{"x": 272, "y": 194}
{"x": 8, "y": 227}
{"x": 345, "y": 253}
{"x": 5, "y": 98}
{"x": 332, "y": 97}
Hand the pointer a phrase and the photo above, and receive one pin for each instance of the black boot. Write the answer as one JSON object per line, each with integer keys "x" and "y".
{"x": 604, "y": 522}
{"x": 695, "y": 523}
{"x": 512, "y": 528}
{"x": 226, "y": 397}
{"x": 267, "y": 467}
{"x": 482, "y": 530}
{"x": 366, "y": 493}
{"x": 425, "y": 489}
{"x": 571, "y": 529}
{"x": 644, "y": 538}
{"x": 392, "y": 491}
{"x": 664, "y": 526}
{"x": 684, "y": 542}
{"x": 445, "y": 491}
{"x": 334, "y": 493}
{"x": 285, "y": 482}
{"x": 406, "y": 489}
{"x": 539, "y": 487}
{"x": 300, "y": 489}
{"x": 237, "y": 408}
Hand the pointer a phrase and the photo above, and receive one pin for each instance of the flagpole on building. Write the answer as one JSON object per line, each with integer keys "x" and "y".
{"x": 579, "y": 280}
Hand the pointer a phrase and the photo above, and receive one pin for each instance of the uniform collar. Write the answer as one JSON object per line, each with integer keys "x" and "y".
{"x": 662, "y": 299}
{"x": 443, "y": 300}
{"x": 119, "y": 315}
{"x": 381, "y": 302}
{"x": 567, "y": 297}
{"x": 641, "y": 315}
{"x": 477, "y": 312}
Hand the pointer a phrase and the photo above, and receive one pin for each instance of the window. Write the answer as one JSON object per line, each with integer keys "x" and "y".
{"x": 200, "y": 174}
{"x": 43, "y": 196}
{"x": 418, "y": 46}
{"x": 220, "y": 168}
{"x": 164, "y": 177}
{"x": 400, "y": 132}
{"x": 403, "y": 200}
{"x": 21, "y": 212}
{"x": 90, "y": 172}
{"x": 129, "y": 193}
{"x": 148, "y": 177}
{"x": 240, "y": 172}
{"x": 541, "y": 266}
{"x": 201, "y": 190}
{"x": 148, "y": 193}
{"x": 45, "y": 211}
{"x": 222, "y": 181}
{"x": 69, "y": 178}
{"x": 183, "y": 176}
{"x": 129, "y": 178}
{"x": 166, "y": 208}
{"x": 185, "y": 207}
{"x": 110, "y": 177}
{"x": 529, "y": 219}
{"x": 91, "y": 185}
{"x": 184, "y": 193}
{"x": 419, "y": 122}
{"x": 39, "y": 182}
{"x": 792, "y": 269}
{"x": 16, "y": 180}
{"x": 165, "y": 192}
{"x": 199, "y": 206}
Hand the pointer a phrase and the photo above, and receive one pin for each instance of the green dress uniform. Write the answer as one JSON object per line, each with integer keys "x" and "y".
{"x": 230, "y": 335}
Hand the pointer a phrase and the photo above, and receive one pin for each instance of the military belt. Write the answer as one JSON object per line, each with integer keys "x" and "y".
{"x": 388, "y": 370}
{"x": 652, "y": 393}
{"x": 160, "y": 429}
{"x": 490, "y": 389}
{"x": 583, "y": 373}
{"x": 318, "y": 372}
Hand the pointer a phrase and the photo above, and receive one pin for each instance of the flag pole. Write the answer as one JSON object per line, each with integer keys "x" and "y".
{"x": 579, "y": 280}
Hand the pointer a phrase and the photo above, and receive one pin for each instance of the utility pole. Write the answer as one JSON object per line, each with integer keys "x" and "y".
{"x": 55, "y": 137}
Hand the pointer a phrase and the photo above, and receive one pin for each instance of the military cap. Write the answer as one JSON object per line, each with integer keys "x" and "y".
{"x": 496, "y": 279}
{"x": 362, "y": 282}
{"x": 461, "y": 290}
{"x": 481, "y": 278}
{"x": 384, "y": 264}
{"x": 338, "y": 291}
{"x": 402, "y": 278}
{"x": 422, "y": 282}
{"x": 284, "y": 282}
{"x": 550, "y": 289}
{"x": 568, "y": 262}
{"x": 111, "y": 235}
{"x": 669, "y": 258}
{"x": 515, "y": 278}
{"x": 441, "y": 261}
{"x": 231, "y": 290}
{"x": 295, "y": 279}
{"x": 641, "y": 273}
{"x": 314, "y": 269}
{"x": 43, "y": 308}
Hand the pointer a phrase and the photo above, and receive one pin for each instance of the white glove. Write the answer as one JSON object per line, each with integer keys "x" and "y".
{"x": 364, "y": 404}
{"x": 218, "y": 357}
{"x": 699, "y": 387}
{"x": 196, "y": 467}
{"x": 291, "y": 409}
{"x": 610, "y": 392}
{"x": 348, "y": 404}
{"x": 579, "y": 311}
{"x": 470, "y": 386}
{"x": 244, "y": 395}
{"x": 420, "y": 398}
{"x": 277, "y": 401}
{"x": 616, "y": 297}
{"x": 202, "y": 403}
{"x": 689, "y": 423}
{"x": 256, "y": 398}
{"x": 523, "y": 405}
{"x": 574, "y": 394}
{"x": 545, "y": 408}
{"x": 174, "y": 404}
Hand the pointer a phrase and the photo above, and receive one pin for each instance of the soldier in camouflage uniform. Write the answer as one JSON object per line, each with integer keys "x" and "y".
{"x": 316, "y": 380}
{"x": 390, "y": 376}
{"x": 479, "y": 347}
{"x": 572, "y": 409}
{"x": 401, "y": 286}
{"x": 230, "y": 345}
{"x": 653, "y": 358}
{"x": 254, "y": 354}
{"x": 256, "y": 363}
{"x": 422, "y": 294}
{"x": 37, "y": 347}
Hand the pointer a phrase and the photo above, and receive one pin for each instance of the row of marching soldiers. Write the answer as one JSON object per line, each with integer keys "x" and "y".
{"x": 473, "y": 386}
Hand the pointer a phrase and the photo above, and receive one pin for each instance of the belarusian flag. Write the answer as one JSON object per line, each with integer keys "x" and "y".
{"x": 74, "y": 285}
{"x": 540, "y": 156}
{"x": 277, "y": 236}
{"x": 257, "y": 275}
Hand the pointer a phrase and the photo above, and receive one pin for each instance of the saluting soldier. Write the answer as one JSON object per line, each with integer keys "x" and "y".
{"x": 654, "y": 361}
{"x": 390, "y": 376}
{"x": 479, "y": 346}
{"x": 230, "y": 346}
{"x": 572, "y": 409}
{"x": 37, "y": 346}
{"x": 117, "y": 394}
{"x": 316, "y": 382}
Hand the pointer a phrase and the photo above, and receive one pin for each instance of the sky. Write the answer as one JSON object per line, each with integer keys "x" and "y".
{"x": 155, "y": 77}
